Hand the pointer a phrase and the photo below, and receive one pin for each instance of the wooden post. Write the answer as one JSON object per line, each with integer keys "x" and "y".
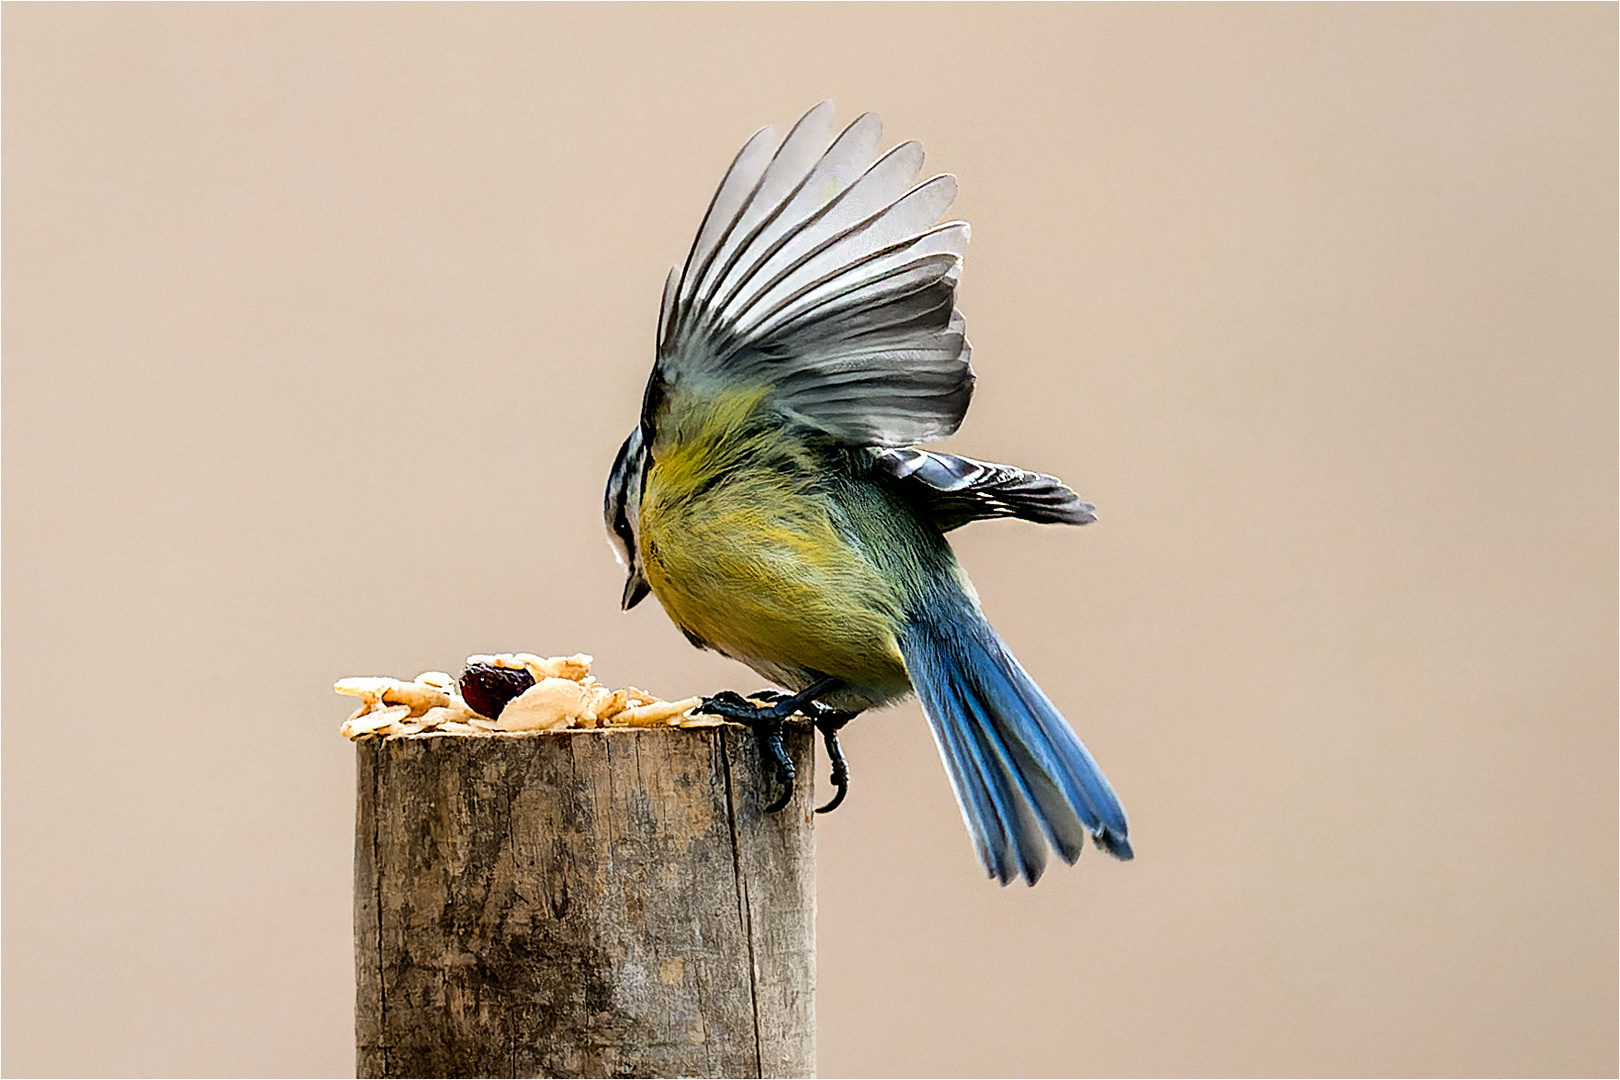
{"x": 582, "y": 904}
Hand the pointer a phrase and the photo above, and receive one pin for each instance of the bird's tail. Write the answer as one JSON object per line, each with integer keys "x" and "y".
{"x": 1019, "y": 771}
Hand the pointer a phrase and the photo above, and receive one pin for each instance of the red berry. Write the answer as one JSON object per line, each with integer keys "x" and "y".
{"x": 486, "y": 688}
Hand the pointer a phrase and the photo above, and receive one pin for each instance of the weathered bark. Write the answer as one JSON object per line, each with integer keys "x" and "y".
{"x": 592, "y": 904}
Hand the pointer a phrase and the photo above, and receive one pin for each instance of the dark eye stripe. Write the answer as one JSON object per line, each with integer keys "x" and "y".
{"x": 628, "y": 467}
{"x": 626, "y": 536}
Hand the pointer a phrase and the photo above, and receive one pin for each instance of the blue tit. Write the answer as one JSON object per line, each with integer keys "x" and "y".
{"x": 773, "y": 499}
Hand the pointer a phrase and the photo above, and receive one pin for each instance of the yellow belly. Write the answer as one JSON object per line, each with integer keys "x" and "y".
{"x": 755, "y": 567}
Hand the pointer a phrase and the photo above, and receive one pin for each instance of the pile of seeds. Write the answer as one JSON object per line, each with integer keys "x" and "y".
{"x": 508, "y": 692}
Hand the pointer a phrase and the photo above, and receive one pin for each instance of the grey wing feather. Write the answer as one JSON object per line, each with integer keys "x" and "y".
{"x": 666, "y": 309}
{"x": 953, "y": 491}
{"x": 730, "y": 199}
{"x": 759, "y": 221}
{"x": 823, "y": 275}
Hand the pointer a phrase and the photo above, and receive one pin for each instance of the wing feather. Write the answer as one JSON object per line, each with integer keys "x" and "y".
{"x": 733, "y": 194}
{"x": 666, "y": 308}
{"x": 956, "y": 490}
{"x": 798, "y": 154}
{"x": 826, "y": 279}
{"x": 878, "y": 188}
{"x": 821, "y": 273}
{"x": 915, "y": 293}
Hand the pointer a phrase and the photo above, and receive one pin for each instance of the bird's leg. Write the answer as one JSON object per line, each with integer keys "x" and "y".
{"x": 766, "y": 720}
{"x": 828, "y": 722}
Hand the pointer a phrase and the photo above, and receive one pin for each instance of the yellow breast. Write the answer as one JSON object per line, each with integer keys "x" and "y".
{"x": 742, "y": 550}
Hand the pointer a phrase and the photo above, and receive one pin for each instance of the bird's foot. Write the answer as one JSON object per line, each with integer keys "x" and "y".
{"x": 766, "y": 722}
{"x": 828, "y": 721}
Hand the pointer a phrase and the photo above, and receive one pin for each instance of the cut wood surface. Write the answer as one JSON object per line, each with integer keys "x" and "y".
{"x": 589, "y": 904}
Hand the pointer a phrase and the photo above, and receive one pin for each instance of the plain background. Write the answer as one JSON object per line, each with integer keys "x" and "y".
{"x": 322, "y": 324}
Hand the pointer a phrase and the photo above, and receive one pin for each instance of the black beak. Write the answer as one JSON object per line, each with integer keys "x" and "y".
{"x": 635, "y": 591}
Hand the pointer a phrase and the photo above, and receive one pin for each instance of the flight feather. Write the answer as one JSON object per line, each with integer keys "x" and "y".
{"x": 822, "y": 273}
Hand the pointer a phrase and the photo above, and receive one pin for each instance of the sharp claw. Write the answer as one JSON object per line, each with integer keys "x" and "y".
{"x": 840, "y": 767}
{"x": 782, "y": 800}
{"x": 770, "y": 746}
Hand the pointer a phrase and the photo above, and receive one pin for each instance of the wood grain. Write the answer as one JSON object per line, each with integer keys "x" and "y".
{"x": 590, "y": 904}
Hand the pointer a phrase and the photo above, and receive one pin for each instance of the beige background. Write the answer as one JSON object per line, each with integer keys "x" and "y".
{"x": 322, "y": 324}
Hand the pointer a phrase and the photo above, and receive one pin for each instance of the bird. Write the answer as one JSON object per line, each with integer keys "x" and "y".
{"x": 774, "y": 498}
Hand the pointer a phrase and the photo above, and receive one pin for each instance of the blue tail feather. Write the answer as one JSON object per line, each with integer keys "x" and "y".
{"x": 1016, "y": 834}
{"x": 1022, "y": 777}
{"x": 984, "y": 817}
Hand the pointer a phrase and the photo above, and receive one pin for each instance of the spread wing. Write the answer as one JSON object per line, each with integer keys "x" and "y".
{"x": 953, "y": 491}
{"x": 821, "y": 273}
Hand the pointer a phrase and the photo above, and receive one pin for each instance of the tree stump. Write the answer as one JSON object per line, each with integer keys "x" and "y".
{"x": 592, "y": 903}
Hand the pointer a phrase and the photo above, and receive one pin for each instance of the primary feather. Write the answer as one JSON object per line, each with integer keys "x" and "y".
{"x": 821, "y": 274}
